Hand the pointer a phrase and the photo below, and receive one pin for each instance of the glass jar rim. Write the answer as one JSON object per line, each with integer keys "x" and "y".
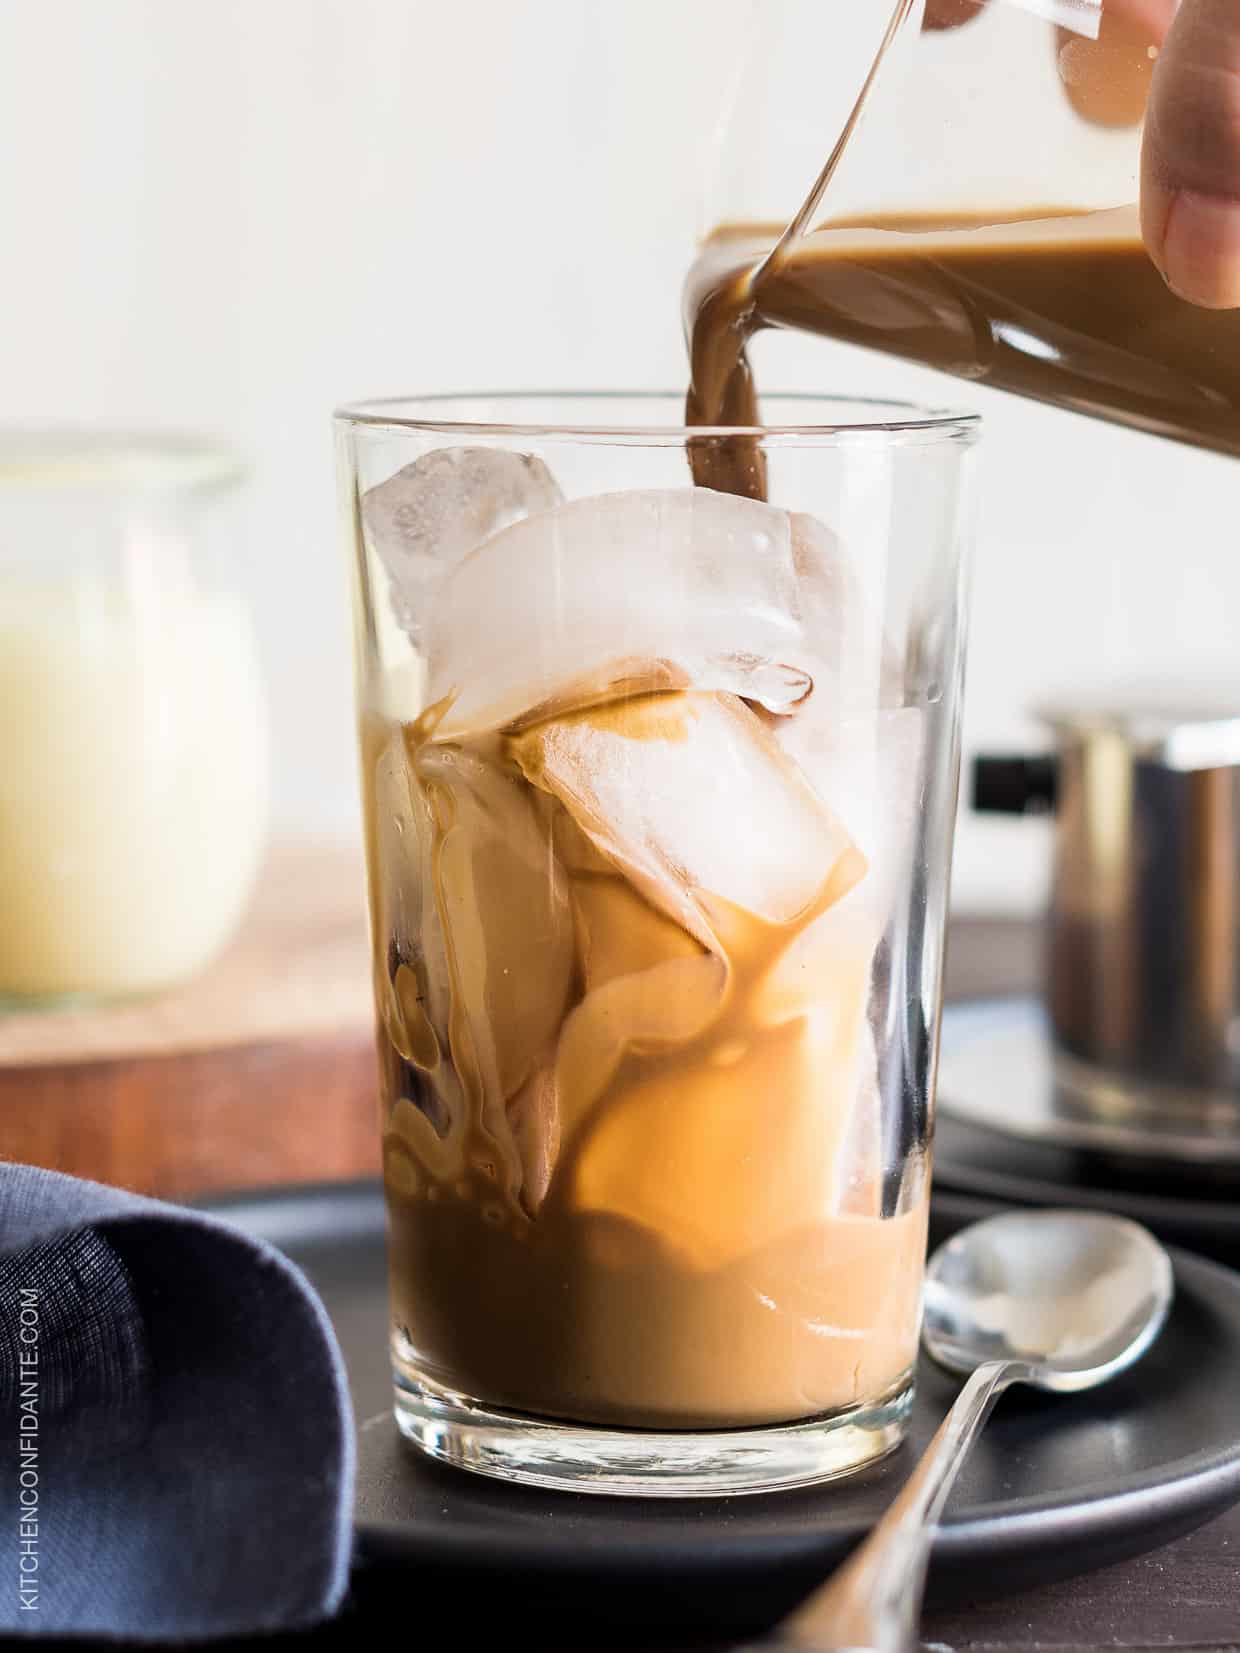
{"x": 53, "y": 456}
{"x": 864, "y": 419}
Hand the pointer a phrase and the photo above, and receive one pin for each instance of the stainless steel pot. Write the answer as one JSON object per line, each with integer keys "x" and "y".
{"x": 1143, "y": 942}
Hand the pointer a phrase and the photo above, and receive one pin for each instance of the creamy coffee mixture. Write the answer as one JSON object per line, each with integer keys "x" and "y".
{"x": 632, "y": 1154}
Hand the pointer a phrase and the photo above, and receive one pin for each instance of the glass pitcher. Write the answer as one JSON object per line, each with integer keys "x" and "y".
{"x": 977, "y": 213}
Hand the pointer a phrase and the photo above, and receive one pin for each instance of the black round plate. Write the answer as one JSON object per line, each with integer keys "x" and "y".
{"x": 1055, "y": 1487}
{"x": 993, "y": 1171}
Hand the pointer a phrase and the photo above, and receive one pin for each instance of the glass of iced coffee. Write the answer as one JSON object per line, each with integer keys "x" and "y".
{"x": 659, "y": 781}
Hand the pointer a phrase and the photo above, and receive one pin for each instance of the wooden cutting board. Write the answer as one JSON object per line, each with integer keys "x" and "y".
{"x": 260, "y": 1071}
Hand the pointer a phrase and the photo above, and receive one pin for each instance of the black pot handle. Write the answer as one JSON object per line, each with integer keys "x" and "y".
{"x": 1015, "y": 785}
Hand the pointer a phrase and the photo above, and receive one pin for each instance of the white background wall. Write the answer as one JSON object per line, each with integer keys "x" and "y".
{"x": 233, "y": 214}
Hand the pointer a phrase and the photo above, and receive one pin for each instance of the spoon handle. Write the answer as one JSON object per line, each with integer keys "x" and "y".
{"x": 874, "y": 1599}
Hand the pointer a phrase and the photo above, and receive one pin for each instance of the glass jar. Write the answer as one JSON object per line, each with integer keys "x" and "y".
{"x": 133, "y": 752}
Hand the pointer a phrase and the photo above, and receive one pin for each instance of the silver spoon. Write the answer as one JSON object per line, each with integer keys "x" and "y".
{"x": 1060, "y": 1299}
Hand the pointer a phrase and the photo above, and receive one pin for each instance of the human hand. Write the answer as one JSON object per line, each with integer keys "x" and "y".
{"x": 1190, "y": 158}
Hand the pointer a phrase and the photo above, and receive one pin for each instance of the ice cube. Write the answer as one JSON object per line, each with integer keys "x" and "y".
{"x": 396, "y": 893}
{"x": 507, "y": 924}
{"x": 848, "y": 662}
{"x": 868, "y": 772}
{"x": 435, "y": 511}
{"x": 534, "y": 1119}
{"x": 823, "y": 980}
{"x": 411, "y": 967}
{"x": 648, "y": 591}
{"x": 690, "y": 796}
{"x": 859, "y": 1173}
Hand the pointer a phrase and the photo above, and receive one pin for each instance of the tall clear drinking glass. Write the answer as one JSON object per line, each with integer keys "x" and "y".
{"x": 659, "y": 789}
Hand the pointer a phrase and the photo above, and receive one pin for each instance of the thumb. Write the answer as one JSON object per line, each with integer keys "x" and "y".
{"x": 1190, "y": 160}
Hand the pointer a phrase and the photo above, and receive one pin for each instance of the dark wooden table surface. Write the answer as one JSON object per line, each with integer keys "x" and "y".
{"x": 1185, "y": 1596}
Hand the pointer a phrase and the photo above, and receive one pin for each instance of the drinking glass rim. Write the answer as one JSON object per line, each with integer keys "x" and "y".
{"x": 906, "y": 422}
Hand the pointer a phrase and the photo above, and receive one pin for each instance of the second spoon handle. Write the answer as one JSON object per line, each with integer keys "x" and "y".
{"x": 874, "y": 1599}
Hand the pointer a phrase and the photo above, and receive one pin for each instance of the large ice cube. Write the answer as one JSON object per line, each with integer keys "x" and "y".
{"x": 534, "y": 1120}
{"x": 651, "y": 590}
{"x": 859, "y": 1171}
{"x": 868, "y": 771}
{"x": 852, "y": 665}
{"x": 823, "y": 980}
{"x": 392, "y": 850}
{"x": 411, "y": 965}
{"x": 435, "y": 511}
{"x": 507, "y": 924}
{"x": 473, "y": 905}
{"x": 689, "y": 794}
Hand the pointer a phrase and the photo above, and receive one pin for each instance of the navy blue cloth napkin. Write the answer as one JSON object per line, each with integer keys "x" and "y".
{"x": 176, "y": 1440}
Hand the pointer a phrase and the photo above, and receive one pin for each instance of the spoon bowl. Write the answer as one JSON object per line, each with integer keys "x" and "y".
{"x": 1072, "y": 1297}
